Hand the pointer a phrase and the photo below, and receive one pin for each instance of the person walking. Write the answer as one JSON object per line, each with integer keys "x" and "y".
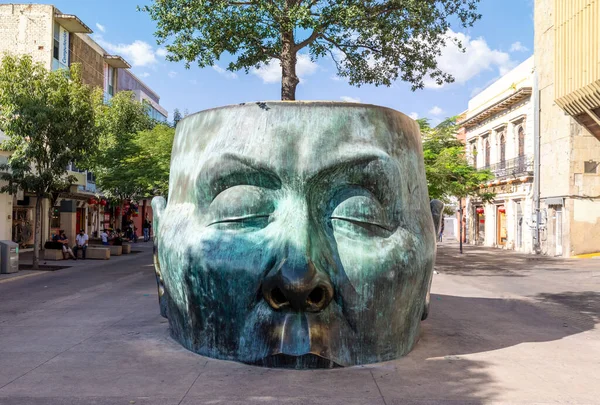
{"x": 146, "y": 229}
{"x": 82, "y": 243}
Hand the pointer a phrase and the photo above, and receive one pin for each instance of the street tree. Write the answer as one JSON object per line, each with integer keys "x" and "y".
{"x": 371, "y": 41}
{"x": 48, "y": 117}
{"x": 118, "y": 122}
{"x": 149, "y": 164}
{"x": 449, "y": 174}
{"x": 176, "y": 117}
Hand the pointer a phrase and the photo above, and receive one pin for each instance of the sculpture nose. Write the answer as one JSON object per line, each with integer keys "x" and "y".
{"x": 300, "y": 289}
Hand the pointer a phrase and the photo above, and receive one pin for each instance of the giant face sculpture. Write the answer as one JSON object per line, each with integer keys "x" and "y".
{"x": 296, "y": 234}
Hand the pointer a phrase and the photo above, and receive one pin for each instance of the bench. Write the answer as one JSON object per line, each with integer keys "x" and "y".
{"x": 126, "y": 248}
{"x": 115, "y": 250}
{"x": 100, "y": 253}
{"x": 53, "y": 254}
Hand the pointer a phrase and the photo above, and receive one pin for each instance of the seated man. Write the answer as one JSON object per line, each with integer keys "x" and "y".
{"x": 62, "y": 239}
{"x": 104, "y": 237}
{"x": 82, "y": 243}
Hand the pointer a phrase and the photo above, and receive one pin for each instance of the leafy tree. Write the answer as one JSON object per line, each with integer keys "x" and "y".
{"x": 371, "y": 41}
{"x": 149, "y": 165}
{"x": 176, "y": 117}
{"x": 118, "y": 122}
{"x": 48, "y": 117}
{"x": 448, "y": 171}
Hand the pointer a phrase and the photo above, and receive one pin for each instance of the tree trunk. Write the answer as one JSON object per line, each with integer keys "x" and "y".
{"x": 37, "y": 233}
{"x": 460, "y": 226}
{"x": 289, "y": 80}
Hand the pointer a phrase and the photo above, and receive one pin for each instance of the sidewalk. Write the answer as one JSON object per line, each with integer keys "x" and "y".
{"x": 27, "y": 258}
{"x": 503, "y": 329}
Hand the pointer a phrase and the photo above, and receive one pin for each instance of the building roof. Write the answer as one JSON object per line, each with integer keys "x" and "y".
{"x": 503, "y": 104}
{"x": 72, "y": 23}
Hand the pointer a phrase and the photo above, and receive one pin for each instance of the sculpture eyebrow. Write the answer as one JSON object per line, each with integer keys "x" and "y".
{"x": 231, "y": 169}
{"x": 375, "y": 181}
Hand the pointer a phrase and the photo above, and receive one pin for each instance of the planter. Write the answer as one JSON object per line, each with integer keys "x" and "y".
{"x": 296, "y": 234}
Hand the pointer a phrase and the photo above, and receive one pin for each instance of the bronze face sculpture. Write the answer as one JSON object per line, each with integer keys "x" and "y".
{"x": 296, "y": 234}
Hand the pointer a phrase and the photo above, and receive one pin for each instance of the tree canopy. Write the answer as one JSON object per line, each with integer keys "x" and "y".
{"x": 118, "y": 122}
{"x": 49, "y": 118}
{"x": 448, "y": 172}
{"x": 371, "y": 41}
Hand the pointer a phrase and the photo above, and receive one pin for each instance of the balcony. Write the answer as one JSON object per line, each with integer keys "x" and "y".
{"x": 519, "y": 166}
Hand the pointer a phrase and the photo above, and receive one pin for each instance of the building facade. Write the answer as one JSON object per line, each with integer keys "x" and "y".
{"x": 498, "y": 134}
{"x": 567, "y": 60}
{"x": 57, "y": 40}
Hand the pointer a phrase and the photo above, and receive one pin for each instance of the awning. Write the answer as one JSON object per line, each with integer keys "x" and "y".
{"x": 72, "y": 23}
{"x": 116, "y": 61}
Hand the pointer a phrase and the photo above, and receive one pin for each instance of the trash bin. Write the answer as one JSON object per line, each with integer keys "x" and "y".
{"x": 9, "y": 257}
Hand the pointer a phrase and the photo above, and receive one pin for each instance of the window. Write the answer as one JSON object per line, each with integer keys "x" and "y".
{"x": 521, "y": 140}
{"x": 474, "y": 154}
{"x": 111, "y": 77}
{"x": 502, "y": 149}
{"x": 487, "y": 152}
{"x": 55, "y": 49}
{"x": 590, "y": 167}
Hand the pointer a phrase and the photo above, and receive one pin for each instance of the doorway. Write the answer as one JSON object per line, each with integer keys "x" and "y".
{"x": 501, "y": 233}
{"x": 558, "y": 231}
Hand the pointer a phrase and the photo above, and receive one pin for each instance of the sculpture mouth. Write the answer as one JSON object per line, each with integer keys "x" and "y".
{"x": 305, "y": 361}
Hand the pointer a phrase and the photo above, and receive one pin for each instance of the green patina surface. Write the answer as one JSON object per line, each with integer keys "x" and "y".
{"x": 296, "y": 234}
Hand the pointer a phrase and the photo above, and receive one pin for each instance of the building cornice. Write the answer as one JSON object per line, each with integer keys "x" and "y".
{"x": 503, "y": 104}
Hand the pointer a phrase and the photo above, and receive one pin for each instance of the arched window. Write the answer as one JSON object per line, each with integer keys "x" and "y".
{"x": 521, "y": 141}
{"x": 502, "y": 150}
{"x": 487, "y": 152}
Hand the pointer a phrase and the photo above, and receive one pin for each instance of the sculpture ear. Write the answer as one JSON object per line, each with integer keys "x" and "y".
{"x": 158, "y": 208}
{"x": 437, "y": 209}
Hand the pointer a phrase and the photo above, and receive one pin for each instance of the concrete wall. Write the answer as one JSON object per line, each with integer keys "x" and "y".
{"x": 564, "y": 147}
{"x": 27, "y": 29}
{"x": 92, "y": 62}
{"x": 127, "y": 81}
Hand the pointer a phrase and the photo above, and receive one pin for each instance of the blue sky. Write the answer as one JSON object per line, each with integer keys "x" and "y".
{"x": 499, "y": 41}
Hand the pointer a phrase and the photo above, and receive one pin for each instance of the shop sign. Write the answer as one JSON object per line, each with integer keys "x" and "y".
{"x": 63, "y": 47}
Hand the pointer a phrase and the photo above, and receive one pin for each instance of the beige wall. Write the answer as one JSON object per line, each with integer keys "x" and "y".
{"x": 564, "y": 147}
{"x": 27, "y": 29}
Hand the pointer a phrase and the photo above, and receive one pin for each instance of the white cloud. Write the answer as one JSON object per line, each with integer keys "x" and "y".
{"x": 223, "y": 72}
{"x": 172, "y": 74}
{"x": 138, "y": 53}
{"x": 478, "y": 57}
{"x": 518, "y": 47}
{"x": 144, "y": 74}
{"x": 271, "y": 72}
{"x": 436, "y": 111}
{"x": 350, "y": 99}
{"x": 413, "y": 115}
{"x": 101, "y": 27}
{"x": 162, "y": 52}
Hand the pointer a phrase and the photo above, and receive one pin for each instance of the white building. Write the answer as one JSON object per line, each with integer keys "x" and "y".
{"x": 499, "y": 136}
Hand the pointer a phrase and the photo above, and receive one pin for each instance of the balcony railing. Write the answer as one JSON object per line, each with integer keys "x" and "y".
{"x": 516, "y": 167}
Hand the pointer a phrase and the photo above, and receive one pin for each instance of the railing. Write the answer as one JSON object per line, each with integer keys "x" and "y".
{"x": 518, "y": 166}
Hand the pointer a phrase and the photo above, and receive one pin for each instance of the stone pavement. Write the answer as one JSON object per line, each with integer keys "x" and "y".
{"x": 504, "y": 329}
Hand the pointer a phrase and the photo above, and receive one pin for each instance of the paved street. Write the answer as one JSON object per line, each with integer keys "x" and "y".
{"x": 504, "y": 328}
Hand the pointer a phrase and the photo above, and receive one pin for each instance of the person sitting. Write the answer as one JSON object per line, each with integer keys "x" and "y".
{"x": 66, "y": 250}
{"x": 104, "y": 237}
{"x": 82, "y": 243}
